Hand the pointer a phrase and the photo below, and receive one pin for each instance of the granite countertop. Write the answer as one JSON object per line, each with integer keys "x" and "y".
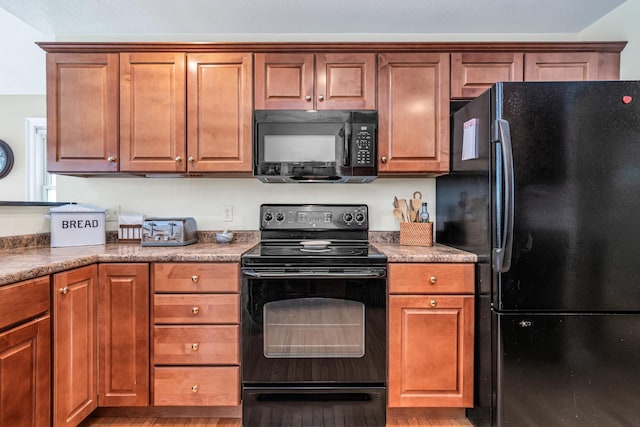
{"x": 17, "y": 264}
{"x": 435, "y": 253}
{"x": 26, "y": 263}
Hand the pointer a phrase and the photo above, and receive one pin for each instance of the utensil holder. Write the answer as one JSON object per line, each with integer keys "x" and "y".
{"x": 416, "y": 233}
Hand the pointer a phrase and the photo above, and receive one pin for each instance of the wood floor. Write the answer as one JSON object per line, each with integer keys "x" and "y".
{"x": 234, "y": 422}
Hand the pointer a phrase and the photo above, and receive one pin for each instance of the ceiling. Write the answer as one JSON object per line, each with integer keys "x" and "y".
{"x": 139, "y": 19}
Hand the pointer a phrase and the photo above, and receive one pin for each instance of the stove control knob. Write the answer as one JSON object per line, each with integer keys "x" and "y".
{"x": 359, "y": 217}
{"x": 348, "y": 217}
{"x": 279, "y": 217}
{"x": 268, "y": 217}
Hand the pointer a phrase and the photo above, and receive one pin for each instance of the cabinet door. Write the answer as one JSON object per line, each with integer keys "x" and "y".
{"x": 473, "y": 73}
{"x": 75, "y": 328}
{"x": 413, "y": 108}
{"x": 284, "y": 81}
{"x": 123, "y": 335}
{"x": 152, "y": 112}
{"x": 219, "y": 114}
{"x": 25, "y": 375}
{"x": 346, "y": 81}
{"x": 431, "y": 351}
{"x": 561, "y": 66}
{"x": 82, "y": 112}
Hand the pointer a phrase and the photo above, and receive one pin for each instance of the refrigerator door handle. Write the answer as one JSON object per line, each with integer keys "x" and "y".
{"x": 502, "y": 254}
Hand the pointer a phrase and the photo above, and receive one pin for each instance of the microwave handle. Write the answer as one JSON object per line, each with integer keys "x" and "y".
{"x": 346, "y": 154}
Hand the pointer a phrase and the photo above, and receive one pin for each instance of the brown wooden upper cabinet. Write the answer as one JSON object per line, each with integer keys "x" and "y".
{"x": 128, "y": 112}
{"x": 219, "y": 112}
{"x": 152, "y": 112}
{"x": 321, "y": 81}
{"x": 473, "y": 72}
{"x": 564, "y": 66}
{"x": 413, "y": 109}
{"x": 82, "y": 112}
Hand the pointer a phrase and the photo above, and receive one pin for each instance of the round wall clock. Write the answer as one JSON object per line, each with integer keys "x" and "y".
{"x": 6, "y": 159}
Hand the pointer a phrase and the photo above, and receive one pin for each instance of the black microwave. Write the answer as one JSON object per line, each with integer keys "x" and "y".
{"x": 315, "y": 146}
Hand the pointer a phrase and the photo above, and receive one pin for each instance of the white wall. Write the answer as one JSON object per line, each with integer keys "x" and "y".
{"x": 22, "y": 68}
{"x": 204, "y": 198}
{"x": 620, "y": 24}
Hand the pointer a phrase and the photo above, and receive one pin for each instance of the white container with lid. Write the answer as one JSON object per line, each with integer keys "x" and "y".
{"x": 77, "y": 225}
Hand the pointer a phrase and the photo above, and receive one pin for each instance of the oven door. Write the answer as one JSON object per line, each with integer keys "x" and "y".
{"x": 311, "y": 328}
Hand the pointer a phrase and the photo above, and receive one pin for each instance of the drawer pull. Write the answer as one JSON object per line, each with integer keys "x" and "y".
{"x": 64, "y": 290}
{"x": 195, "y": 346}
{"x": 195, "y": 310}
{"x": 194, "y": 388}
{"x": 195, "y": 278}
{"x": 433, "y": 280}
{"x": 434, "y": 303}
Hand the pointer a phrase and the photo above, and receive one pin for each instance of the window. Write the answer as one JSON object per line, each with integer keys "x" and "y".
{"x": 40, "y": 185}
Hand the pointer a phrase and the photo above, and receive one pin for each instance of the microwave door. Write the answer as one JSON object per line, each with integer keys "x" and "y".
{"x": 301, "y": 151}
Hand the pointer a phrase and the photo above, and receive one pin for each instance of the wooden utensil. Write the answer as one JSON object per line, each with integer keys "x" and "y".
{"x": 416, "y": 202}
{"x": 398, "y": 214}
{"x": 402, "y": 205}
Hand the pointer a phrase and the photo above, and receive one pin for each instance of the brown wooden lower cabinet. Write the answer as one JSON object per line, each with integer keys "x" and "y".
{"x": 123, "y": 318}
{"x": 75, "y": 346}
{"x": 430, "y": 351}
{"x": 25, "y": 349}
{"x": 196, "y": 386}
{"x": 431, "y": 335}
{"x": 196, "y": 344}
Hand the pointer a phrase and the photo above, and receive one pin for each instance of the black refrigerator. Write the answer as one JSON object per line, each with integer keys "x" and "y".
{"x": 545, "y": 189}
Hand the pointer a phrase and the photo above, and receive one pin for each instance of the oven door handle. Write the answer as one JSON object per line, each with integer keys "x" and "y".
{"x": 363, "y": 274}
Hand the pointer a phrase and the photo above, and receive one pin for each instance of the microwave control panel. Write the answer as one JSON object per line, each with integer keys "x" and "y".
{"x": 363, "y": 145}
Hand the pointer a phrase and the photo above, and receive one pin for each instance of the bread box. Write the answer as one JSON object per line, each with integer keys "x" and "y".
{"x": 77, "y": 225}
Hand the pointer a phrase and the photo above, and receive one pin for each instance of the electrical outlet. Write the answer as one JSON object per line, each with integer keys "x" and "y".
{"x": 228, "y": 214}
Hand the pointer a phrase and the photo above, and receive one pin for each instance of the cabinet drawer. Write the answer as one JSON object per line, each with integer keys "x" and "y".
{"x": 196, "y": 308}
{"x": 23, "y": 300}
{"x": 422, "y": 278}
{"x": 196, "y": 277}
{"x": 199, "y": 386}
{"x": 196, "y": 345}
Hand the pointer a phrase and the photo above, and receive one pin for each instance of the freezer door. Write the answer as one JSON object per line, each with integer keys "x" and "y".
{"x": 576, "y": 151}
{"x": 567, "y": 370}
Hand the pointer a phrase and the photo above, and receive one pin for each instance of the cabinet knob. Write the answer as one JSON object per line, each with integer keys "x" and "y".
{"x": 64, "y": 290}
{"x": 178, "y": 159}
{"x": 111, "y": 159}
{"x": 195, "y": 278}
{"x": 195, "y": 346}
{"x": 194, "y": 388}
{"x": 433, "y": 280}
{"x": 195, "y": 310}
{"x": 320, "y": 97}
{"x": 434, "y": 303}
{"x": 307, "y": 98}
{"x": 384, "y": 159}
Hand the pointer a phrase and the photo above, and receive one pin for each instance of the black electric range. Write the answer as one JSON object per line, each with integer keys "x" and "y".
{"x": 313, "y": 319}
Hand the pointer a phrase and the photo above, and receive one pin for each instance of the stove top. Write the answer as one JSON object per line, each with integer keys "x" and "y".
{"x": 327, "y": 235}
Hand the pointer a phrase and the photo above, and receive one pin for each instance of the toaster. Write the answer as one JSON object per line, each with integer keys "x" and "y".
{"x": 169, "y": 232}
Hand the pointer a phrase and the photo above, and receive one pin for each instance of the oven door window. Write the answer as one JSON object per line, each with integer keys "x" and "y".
{"x": 314, "y": 328}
